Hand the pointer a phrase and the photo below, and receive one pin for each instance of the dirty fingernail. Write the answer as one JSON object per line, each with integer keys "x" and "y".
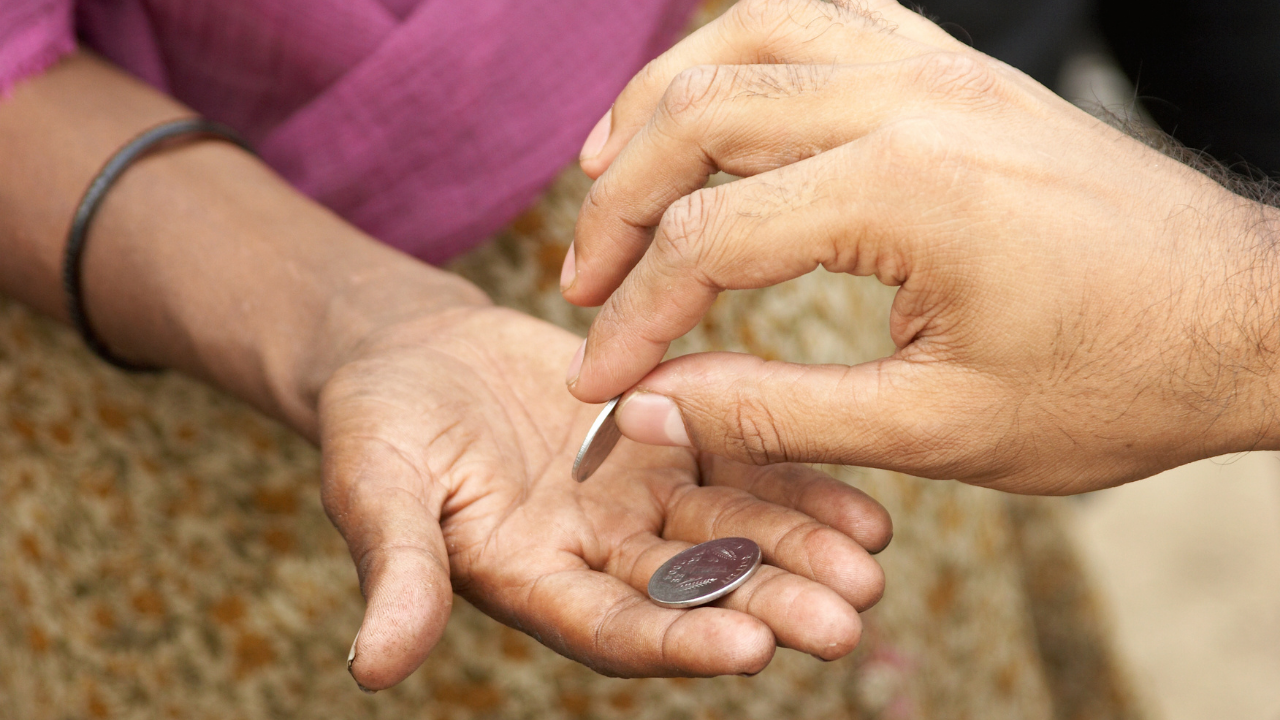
{"x": 351, "y": 660}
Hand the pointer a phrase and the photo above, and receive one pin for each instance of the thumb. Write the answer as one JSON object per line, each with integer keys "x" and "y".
{"x": 375, "y": 498}
{"x": 892, "y": 413}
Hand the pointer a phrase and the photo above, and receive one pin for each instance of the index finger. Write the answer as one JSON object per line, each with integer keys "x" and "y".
{"x": 752, "y": 233}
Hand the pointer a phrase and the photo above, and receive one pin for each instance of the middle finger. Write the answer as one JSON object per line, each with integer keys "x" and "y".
{"x": 747, "y": 120}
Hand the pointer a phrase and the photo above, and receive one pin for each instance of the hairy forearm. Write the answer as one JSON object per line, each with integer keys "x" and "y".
{"x": 1235, "y": 296}
{"x": 1255, "y": 315}
{"x": 201, "y": 258}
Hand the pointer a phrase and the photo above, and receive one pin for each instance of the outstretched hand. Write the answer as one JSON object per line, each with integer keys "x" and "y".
{"x": 446, "y": 432}
{"x": 447, "y": 446}
{"x": 1075, "y": 309}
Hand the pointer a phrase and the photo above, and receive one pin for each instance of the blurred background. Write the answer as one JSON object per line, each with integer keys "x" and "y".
{"x": 1187, "y": 564}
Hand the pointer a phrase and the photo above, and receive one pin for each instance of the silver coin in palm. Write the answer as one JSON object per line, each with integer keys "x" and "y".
{"x": 601, "y": 439}
{"x": 704, "y": 573}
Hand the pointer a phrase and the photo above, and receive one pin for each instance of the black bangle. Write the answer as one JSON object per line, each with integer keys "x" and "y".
{"x": 73, "y": 258}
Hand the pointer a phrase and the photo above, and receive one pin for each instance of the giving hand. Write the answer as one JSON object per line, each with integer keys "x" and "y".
{"x": 1075, "y": 310}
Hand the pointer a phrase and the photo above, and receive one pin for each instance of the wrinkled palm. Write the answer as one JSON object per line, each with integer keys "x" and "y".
{"x": 447, "y": 466}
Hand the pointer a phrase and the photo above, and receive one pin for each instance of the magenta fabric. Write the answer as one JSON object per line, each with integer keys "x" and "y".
{"x": 428, "y": 123}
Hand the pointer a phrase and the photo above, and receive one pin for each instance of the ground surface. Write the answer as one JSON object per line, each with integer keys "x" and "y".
{"x": 1188, "y": 564}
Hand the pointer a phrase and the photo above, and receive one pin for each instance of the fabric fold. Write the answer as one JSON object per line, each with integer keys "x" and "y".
{"x": 429, "y": 124}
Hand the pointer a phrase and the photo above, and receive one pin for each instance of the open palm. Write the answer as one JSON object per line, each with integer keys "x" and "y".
{"x": 447, "y": 448}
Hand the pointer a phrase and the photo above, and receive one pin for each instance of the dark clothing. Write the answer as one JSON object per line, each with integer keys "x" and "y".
{"x": 1034, "y": 36}
{"x": 1208, "y": 72}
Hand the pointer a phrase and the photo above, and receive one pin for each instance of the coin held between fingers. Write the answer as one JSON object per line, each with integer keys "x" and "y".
{"x": 600, "y": 441}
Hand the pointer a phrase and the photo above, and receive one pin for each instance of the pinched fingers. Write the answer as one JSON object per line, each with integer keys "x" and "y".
{"x": 850, "y": 210}
{"x": 745, "y": 120}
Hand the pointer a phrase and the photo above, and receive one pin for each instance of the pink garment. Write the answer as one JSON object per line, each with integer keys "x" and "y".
{"x": 428, "y": 123}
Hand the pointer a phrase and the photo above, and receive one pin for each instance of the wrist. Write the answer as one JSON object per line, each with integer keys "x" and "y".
{"x": 266, "y": 294}
{"x": 1246, "y": 363}
{"x": 1264, "y": 309}
{"x": 200, "y": 258}
{"x": 360, "y": 307}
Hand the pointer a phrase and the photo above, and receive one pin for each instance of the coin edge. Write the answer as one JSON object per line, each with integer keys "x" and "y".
{"x": 605, "y": 413}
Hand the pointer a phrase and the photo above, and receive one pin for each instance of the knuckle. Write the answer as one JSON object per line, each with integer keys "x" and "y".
{"x": 765, "y": 14}
{"x": 919, "y": 145}
{"x": 777, "y": 82}
{"x": 956, "y": 76}
{"x": 777, "y": 26}
{"x": 649, "y": 81}
{"x": 625, "y": 317}
{"x": 642, "y": 90}
{"x": 693, "y": 92}
{"x": 603, "y": 211}
{"x": 596, "y": 201}
{"x": 754, "y": 431}
{"x": 818, "y": 540}
{"x": 809, "y": 540}
{"x": 684, "y": 228}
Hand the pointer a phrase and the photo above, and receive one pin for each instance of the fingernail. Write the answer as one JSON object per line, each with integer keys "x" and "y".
{"x": 569, "y": 271}
{"x": 598, "y": 137}
{"x": 652, "y": 419}
{"x": 575, "y": 365}
{"x": 351, "y": 660}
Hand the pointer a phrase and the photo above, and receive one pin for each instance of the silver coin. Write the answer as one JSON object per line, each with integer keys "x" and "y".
{"x": 601, "y": 438}
{"x": 704, "y": 573}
